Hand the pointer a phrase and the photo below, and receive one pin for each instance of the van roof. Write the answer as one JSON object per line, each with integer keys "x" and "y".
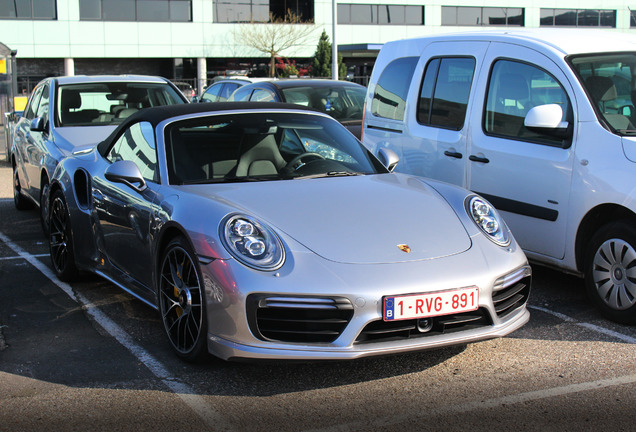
{"x": 565, "y": 41}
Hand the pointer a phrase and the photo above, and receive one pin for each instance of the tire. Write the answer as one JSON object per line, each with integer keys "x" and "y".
{"x": 44, "y": 208}
{"x": 182, "y": 301}
{"x": 610, "y": 271}
{"x": 61, "y": 239}
{"x": 21, "y": 202}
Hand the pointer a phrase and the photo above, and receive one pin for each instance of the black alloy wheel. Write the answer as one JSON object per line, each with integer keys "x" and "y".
{"x": 61, "y": 239}
{"x": 182, "y": 301}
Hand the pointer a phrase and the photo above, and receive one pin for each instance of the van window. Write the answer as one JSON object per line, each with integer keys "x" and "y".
{"x": 389, "y": 98}
{"x": 513, "y": 89}
{"x": 445, "y": 90}
{"x": 609, "y": 80}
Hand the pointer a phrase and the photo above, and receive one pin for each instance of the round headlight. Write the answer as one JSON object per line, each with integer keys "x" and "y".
{"x": 252, "y": 243}
{"x": 488, "y": 220}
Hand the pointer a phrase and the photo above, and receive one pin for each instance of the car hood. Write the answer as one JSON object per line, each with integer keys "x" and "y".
{"x": 76, "y": 138}
{"x": 360, "y": 220}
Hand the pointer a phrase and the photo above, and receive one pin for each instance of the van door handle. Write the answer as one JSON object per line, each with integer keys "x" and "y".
{"x": 453, "y": 154}
{"x": 481, "y": 159}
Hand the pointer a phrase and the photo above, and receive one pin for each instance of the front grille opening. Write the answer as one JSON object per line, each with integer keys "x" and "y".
{"x": 298, "y": 319}
{"x": 509, "y": 298}
{"x": 386, "y": 331}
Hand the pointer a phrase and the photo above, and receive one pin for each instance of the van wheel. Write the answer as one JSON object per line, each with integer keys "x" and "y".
{"x": 610, "y": 271}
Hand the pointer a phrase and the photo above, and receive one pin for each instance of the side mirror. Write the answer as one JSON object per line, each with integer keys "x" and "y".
{"x": 38, "y": 124}
{"x": 546, "y": 119}
{"x": 388, "y": 158}
{"x": 126, "y": 172}
{"x": 14, "y": 116}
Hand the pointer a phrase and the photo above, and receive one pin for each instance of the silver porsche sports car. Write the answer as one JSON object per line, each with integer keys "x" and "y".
{"x": 268, "y": 231}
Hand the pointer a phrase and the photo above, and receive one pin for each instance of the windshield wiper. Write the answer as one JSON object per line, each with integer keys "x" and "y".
{"x": 232, "y": 180}
{"x": 330, "y": 174}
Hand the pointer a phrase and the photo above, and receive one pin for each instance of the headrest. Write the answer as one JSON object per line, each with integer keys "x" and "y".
{"x": 601, "y": 88}
{"x": 71, "y": 99}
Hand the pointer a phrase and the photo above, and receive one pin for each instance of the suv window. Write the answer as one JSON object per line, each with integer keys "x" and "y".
{"x": 43, "y": 107}
{"x": 262, "y": 95}
{"x": 241, "y": 94}
{"x": 33, "y": 103}
{"x": 228, "y": 89}
{"x": 389, "y": 98}
{"x": 137, "y": 144}
{"x": 212, "y": 94}
{"x": 513, "y": 89}
{"x": 445, "y": 91}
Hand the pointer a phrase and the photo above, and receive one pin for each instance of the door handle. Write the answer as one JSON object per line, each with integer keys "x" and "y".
{"x": 98, "y": 196}
{"x": 453, "y": 154}
{"x": 476, "y": 158}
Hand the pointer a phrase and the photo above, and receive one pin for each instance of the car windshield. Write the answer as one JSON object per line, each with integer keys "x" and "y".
{"x": 610, "y": 81}
{"x": 344, "y": 103}
{"x": 242, "y": 147}
{"x": 98, "y": 104}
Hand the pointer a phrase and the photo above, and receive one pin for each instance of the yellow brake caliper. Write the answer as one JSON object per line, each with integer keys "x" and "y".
{"x": 176, "y": 295}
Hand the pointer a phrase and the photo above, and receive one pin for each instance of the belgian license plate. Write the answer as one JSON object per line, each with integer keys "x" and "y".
{"x": 431, "y": 304}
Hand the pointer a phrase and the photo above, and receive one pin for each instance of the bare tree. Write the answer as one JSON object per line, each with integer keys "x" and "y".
{"x": 275, "y": 36}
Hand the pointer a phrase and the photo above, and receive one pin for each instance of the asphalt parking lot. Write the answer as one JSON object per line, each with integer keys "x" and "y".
{"x": 88, "y": 356}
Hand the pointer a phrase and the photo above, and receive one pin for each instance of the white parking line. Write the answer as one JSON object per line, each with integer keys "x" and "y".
{"x": 197, "y": 403}
{"x": 481, "y": 405}
{"x": 589, "y": 326}
{"x": 19, "y": 257}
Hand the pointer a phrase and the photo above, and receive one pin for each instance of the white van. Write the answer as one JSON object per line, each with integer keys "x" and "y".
{"x": 539, "y": 122}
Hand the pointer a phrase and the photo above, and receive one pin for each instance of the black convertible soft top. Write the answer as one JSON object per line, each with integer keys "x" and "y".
{"x": 158, "y": 114}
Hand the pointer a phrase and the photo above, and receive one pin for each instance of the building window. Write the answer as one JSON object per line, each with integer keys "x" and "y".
{"x": 236, "y": 11}
{"x": 136, "y": 10}
{"x": 482, "y": 16}
{"x": 380, "y": 14}
{"x": 580, "y": 18}
{"x": 28, "y": 9}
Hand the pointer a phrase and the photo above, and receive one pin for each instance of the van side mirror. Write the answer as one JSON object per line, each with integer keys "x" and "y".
{"x": 388, "y": 158}
{"x": 546, "y": 119}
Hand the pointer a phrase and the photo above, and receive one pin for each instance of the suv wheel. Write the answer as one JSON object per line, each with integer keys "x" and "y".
{"x": 21, "y": 202}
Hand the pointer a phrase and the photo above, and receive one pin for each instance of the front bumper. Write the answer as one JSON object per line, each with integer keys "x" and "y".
{"x": 234, "y": 333}
{"x": 229, "y": 350}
